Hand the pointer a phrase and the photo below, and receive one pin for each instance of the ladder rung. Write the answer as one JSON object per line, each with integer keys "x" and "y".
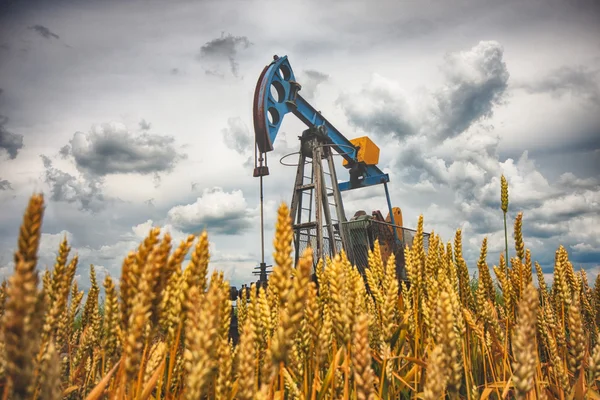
{"x": 304, "y": 187}
{"x": 304, "y": 208}
{"x": 306, "y": 225}
{"x": 330, "y": 194}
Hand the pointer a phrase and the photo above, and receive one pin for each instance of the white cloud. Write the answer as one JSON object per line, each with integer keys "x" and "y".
{"x": 569, "y": 180}
{"x": 586, "y": 247}
{"x": 216, "y": 210}
{"x": 380, "y": 107}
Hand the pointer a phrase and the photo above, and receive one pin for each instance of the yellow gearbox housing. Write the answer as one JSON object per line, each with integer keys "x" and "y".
{"x": 368, "y": 151}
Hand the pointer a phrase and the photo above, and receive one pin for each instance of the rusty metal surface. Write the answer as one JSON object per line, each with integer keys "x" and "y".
{"x": 360, "y": 238}
{"x": 261, "y": 135}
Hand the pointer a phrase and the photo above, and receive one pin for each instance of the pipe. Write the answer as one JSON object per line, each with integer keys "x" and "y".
{"x": 389, "y": 202}
{"x": 262, "y": 226}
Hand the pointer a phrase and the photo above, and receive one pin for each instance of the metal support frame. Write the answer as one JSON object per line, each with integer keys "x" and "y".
{"x": 314, "y": 147}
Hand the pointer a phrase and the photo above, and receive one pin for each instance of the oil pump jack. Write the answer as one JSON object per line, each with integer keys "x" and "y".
{"x": 317, "y": 210}
{"x": 327, "y": 229}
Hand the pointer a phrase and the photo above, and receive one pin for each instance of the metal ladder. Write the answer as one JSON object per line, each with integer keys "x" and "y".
{"x": 326, "y": 222}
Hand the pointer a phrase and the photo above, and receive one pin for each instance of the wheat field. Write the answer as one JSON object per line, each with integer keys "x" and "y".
{"x": 163, "y": 332}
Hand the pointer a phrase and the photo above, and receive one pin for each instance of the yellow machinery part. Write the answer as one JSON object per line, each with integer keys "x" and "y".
{"x": 385, "y": 249}
{"x": 383, "y": 236}
{"x": 397, "y": 221}
{"x": 368, "y": 151}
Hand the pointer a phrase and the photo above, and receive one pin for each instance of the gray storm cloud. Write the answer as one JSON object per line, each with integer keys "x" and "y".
{"x": 311, "y": 82}
{"x": 64, "y": 151}
{"x": 44, "y": 32}
{"x": 475, "y": 81}
{"x": 577, "y": 80}
{"x": 144, "y": 125}
{"x": 64, "y": 187}
{"x": 10, "y": 142}
{"x": 237, "y": 136}
{"x": 5, "y": 185}
{"x": 112, "y": 149}
{"x": 380, "y": 107}
{"x": 224, "y": 48}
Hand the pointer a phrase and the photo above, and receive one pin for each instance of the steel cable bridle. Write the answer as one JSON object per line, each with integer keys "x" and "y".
{"x": 258, "y": 161}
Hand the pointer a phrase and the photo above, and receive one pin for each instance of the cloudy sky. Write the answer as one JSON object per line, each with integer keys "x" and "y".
{"x": 139, "y": 113}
